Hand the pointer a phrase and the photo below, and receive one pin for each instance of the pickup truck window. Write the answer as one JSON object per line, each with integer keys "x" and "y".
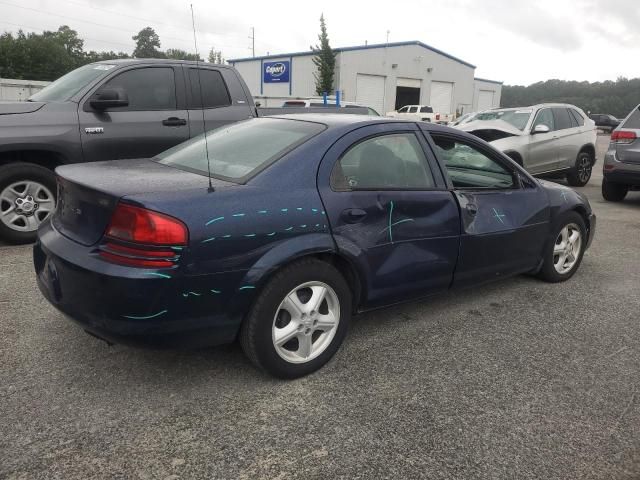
{"x": 149, "y": 88}
{"x": 68, "y": 85}
{"x": 214, "y": 90}
{"x": 239, "y": 151}
{"x": 413, "y": 109}
{"x": 426, "y": 110}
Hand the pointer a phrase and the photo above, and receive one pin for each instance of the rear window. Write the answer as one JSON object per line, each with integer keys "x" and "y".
{"x": 577, "y": 116}
{"x": 214, "y": 90}
{"x": 239, "y": 151}
{"x": 634, "y": 119}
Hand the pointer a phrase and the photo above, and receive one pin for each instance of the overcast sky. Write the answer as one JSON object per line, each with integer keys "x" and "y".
{"x": 516, "y": 41}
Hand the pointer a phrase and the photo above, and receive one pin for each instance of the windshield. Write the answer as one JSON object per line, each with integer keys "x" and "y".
{"x": 240, "y": 150}
{"x": 68, "y": 85}
{"x": 517, "y": 118}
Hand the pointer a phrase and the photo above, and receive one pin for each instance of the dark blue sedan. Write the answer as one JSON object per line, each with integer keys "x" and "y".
{"x": 292, "y": 225}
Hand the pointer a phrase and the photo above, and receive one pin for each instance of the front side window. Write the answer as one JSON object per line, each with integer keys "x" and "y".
{"x": 150, "y": 88}
{"x": 545, "y": 117}
{"x": 214, "y": 90}
{"x": 469, "y": 167}
{"x": 388, "y": 162}
{"x": 403, "y": 110}
{"x": 240, "y": 150}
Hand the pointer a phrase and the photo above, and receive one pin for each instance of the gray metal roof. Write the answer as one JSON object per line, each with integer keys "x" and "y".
{"x": 359, "y": 47}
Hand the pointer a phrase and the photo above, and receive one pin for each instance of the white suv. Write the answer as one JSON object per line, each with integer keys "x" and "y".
{"x": 545, "y": 139}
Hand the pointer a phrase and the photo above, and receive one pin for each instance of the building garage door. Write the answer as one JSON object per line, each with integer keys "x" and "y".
{"x": 441, "y": 96}
{"x": 485, "y": 100}
{"x": 370, "y": 92}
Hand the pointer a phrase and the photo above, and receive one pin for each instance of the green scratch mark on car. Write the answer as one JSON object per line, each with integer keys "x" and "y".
{"x": 145, "y": 317}
{"x": 213, "y": 220}
{"x": 498, "y": 216}
{"x": 247, "y": 287}
{"x": 195, "y": 294}
{"x": 213, "y": 290}
{"x": 211, "y": 239}
{"x": 156, "y": 274}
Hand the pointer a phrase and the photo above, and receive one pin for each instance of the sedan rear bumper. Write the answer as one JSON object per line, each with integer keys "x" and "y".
{"x": 132, "y": 306}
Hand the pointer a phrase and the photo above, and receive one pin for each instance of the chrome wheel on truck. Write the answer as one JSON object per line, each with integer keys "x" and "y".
{"x": 27, "y": 198}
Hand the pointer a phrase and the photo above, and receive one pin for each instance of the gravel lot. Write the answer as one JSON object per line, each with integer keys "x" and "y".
{"x": 518, "y": 379}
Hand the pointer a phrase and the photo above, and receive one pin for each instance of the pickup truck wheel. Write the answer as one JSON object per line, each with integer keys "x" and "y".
{"x": 614, "y": 192}
{"x": 580, "y": 174}
{"x": 299, "y": 319}
{"x": 27, "y": 198}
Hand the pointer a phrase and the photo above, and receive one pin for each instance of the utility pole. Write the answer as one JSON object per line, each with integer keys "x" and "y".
{"x": 253, "y": 41}
{"x": 388, "y": 32}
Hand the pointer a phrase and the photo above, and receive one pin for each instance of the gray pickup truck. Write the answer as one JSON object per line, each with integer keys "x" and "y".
{"x": 108, "y": 110}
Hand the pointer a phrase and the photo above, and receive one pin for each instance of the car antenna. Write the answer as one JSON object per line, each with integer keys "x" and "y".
{"x": 204, "y": 121}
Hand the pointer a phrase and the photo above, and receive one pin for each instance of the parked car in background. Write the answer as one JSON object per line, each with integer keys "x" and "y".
{"x": 545, "y": 139}
{"x": 621, "y": 168}
{"x": 419, "y": 113}
{"x": 307, "y": 220}
{"x": 103, "y": 111}
{"x": 318, "y": 102}
{"x": 604, "y": 120}
{"x": 462, "y": 119}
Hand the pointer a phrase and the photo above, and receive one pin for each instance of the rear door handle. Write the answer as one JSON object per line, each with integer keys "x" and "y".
{"x": 472, "y": 208}
{"x": 353, "y": 215}
{"x": 174, "y": 122}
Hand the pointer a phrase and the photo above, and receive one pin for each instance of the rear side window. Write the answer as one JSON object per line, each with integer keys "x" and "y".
{"x": 239, "y": 151}
{"x": 150, "y": 88}
{"x": 578, "y": 117}
{"x": 426, "y": 110}
{"x": 634, "y": 119}
{"x": 562, "y": 118}
{"x": 214, "y": 90}
{"x": 388, "y": 162}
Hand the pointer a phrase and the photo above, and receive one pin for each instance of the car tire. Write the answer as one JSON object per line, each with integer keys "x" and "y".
{"x": 35, "y": 187}
{"x": 580, "y": 174}
{"x": 554, "y": 268}
{"x": 283, "y": 334}
{"x": 614, "y": 192}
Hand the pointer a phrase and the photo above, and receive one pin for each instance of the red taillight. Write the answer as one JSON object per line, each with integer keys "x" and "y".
{"x": 145, "y": 232}
{"x": 139, "y": 225}
{"x": 623, "y": 136}
{"x": 437, "y": 116}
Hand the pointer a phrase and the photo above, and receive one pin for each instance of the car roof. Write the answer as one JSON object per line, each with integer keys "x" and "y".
{"x": 138, "y": 61}
{"x": 337, "y": 119}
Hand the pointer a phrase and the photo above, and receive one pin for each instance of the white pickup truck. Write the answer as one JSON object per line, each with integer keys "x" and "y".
{"x": 420, "y": 113}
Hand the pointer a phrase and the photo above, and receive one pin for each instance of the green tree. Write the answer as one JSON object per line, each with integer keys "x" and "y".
{"x": 324, "y": 60}
{"x": 147, "y": 44}
{"x": 178, "y": 54}
{"x": 215, "y": 56}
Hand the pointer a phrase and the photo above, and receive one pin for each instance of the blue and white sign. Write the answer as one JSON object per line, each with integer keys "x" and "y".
{"x": 276, "y": 72}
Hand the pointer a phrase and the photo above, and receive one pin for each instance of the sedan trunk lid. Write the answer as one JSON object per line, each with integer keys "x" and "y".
{"x": 89, "y": 192}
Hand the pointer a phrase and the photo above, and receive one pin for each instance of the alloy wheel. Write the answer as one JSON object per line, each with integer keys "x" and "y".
{"x": 567, "y": 248}
{"x": 306, "y": 322}
{"x": 24, "y": 205}
{"x": 584, "y": 169}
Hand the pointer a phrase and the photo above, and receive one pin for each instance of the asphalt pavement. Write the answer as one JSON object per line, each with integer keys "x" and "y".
{"x": 515, "y": 380}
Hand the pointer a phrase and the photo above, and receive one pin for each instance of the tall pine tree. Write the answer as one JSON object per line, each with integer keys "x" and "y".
{"x": 324, "y": 60}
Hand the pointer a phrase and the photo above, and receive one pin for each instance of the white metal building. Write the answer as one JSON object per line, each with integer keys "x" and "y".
{"x": 383, "y": 76}
{"x": 11, "y": 89}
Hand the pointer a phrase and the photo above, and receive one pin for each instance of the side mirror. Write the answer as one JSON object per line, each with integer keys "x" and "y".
{"x": 109, "y": 98}
{"x": 541, "y": 128}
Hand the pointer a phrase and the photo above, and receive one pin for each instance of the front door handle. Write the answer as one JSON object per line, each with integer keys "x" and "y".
{"x": 353, "y": 215}
{"x": 174, "y": 122}
{"x": 472, "y": 208}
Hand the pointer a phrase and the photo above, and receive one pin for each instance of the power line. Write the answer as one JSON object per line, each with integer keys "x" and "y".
{"x": 111, "y": 27}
